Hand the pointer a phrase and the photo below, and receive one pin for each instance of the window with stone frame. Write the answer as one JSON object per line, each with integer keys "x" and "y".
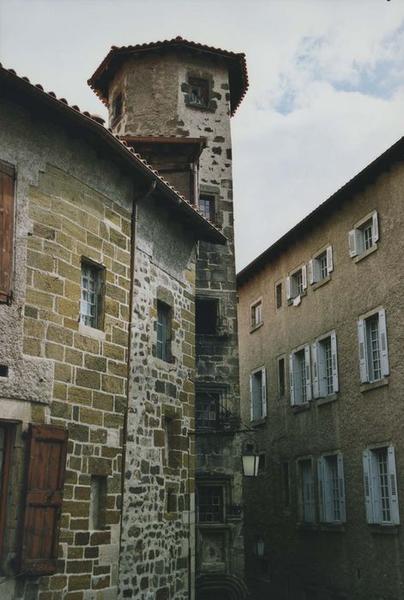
{"x": 321, "y": 266}
{"x": 116, "y": 108}
{"x": 92, "y": 294}
{"x": 296, "y": 284}
{"x": 331, "y": 488}
{"x": 211, "y": 502}
{"x": 325, "y": 365}
{"x": 198, "y": 92}
{"x": 281, "y": 376}
{"x": 258, "y": 394}
{"x": 380, "y": 485}
{"x": 373, "y": 349}
{"x": 164, "y": 333}
{"x": 300, "y": 376}
{"x": 278, "y": 294}
{"x": 206, "y": 315}
{"x": 207, "y": 205}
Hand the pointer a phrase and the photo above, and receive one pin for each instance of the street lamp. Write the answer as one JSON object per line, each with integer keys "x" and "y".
{"x": 250, "y": 461}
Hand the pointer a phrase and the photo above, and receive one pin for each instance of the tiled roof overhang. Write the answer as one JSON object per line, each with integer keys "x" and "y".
{"x": 92, "y": 129}
{"x": 235, "y": 61}
{"x": 346, "y": 193}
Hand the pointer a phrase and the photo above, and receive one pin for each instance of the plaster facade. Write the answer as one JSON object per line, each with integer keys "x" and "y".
{"x": 350, "y": 559}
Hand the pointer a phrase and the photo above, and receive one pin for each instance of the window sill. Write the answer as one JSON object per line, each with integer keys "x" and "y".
{"x": 378, "y": 529}
{"x": 327, "y": 399}
{"x": 297, "y": 300}
{"x": 332, "y": 527}
{"x": 166, "y": 365}
{"x": 298, "y": 408}
{"x": 319, "y": 284}
{"x": 301, "y": 526}
{"x": 252, "y": 329}
{"x": 258, "y": 422}
{"x": 365, "y": 254}
{"x": 91, "y": 332}
{"x": 366, "y": 387}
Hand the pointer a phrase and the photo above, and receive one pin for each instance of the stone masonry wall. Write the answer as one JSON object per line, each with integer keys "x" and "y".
{"x": 158, "y": 531}
{"x": 70, "y": 202}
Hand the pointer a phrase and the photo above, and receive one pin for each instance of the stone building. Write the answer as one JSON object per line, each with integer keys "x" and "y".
{"x": 97, "y": 273}
{"x": 320, "y": 317}
{"x": 172, "y": 101}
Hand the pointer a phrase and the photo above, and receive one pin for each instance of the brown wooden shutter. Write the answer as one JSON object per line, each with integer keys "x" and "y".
{"x": 6, "y": 230}
{"x": 46, "y": 452}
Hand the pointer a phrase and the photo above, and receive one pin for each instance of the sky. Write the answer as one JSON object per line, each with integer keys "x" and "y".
{"x": 326, "y": 89}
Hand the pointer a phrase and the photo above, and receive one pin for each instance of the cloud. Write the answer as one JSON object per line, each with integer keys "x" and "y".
{"x": 326, "y": 84}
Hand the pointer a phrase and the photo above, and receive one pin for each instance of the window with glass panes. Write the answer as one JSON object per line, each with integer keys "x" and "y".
{"x": 301, "y": 375}
{"x": 325, "y": 367}
{"x": 322, "y": 265}
{"x": 297, "y": 283}
{"x": 373, "y": 348}
{"x": 256, "y": 314}
{"x": 380, "y": 486}
{"x": 207, "y": 405}
{"x": 207, "y": 206}
{"x": 331, "y": 488}
{"x": 163, "y": 348}
{"x": 210, "y": 503}
{"x": 383, "y": 483}
{"x": 91, "y": 299}
{"x": 306, "y": 491}
{"x": 367, "y": 235}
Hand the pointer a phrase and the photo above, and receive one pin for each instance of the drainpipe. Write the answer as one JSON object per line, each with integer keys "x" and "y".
{"x": 134, "y": 221}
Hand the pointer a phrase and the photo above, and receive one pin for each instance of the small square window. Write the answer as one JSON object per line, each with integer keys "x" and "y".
{"x": 116, "y": 109}
{"x": 206, "y": 315}
{"x": 91, "y": 304}
{"x": 206, "y": 205}
{"x": 256, "y": 314}
{"x": 207, "y": 410}
{"x": 198, "y": 92}
{"x": 163, "y": 349}
{"x": 278, "y": 293}
{"x": 364, "y": 236}
{"x": 296, "y": 283}
{"x": 210, "y": 503}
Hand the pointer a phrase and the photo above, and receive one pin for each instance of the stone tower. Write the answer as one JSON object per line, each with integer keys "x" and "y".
{"x": 172, "y": 101}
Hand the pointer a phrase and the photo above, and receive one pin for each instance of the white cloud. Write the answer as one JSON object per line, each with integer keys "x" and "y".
{"x": 326, "y": 84}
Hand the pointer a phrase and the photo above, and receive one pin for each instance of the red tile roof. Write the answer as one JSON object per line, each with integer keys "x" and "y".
{"x": 120, "y": 147}
{"x": 236, "y": 62}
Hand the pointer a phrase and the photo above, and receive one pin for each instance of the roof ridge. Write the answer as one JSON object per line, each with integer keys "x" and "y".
{"x": 99, "y": 123}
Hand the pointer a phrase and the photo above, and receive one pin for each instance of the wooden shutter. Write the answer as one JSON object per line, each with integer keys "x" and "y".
{"x": 391, "y": 467}
{"x": 384, "y": 355}
{"x": 307, "y": 366}
{"x": 341, "y": 488}
{"x": 363, "y": 365}
{"x": 46, "y": 453}
{"x": 288, "y": 290}
{"x": 375, "y": 227}
{"x": 291, "y": 380}
{"x": 367, "y": 483}
{"x": 7, "y": 178}
{"x": 251, "y": 399}
{"x": 330, "y": 262}
{"x": 304, "y": 277}
{"x": 334, "y": 362}
{"x": 353, "y": 250}
{"x": 310, "y": 271}
{"x": 321, "y": 488}
{"x": 314, "y": 355}
{"x": 264, "y": 392}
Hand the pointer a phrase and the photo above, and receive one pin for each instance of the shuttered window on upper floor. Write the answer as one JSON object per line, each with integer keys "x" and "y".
{"x": 7, "y": 179}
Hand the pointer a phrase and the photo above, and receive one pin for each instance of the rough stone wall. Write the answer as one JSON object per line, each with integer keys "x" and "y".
{"x": 58, "y": 372}
{"x": 157, "y": 532}
{"x": 154, "y": 91}
{"x": 356, "y": 561}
